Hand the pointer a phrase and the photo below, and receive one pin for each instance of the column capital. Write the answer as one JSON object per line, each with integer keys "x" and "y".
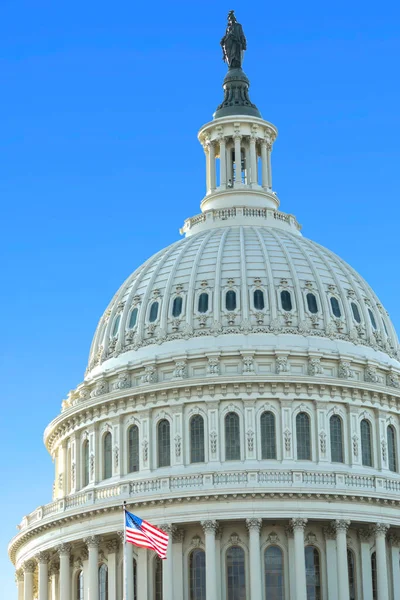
{"x": 380, "y": 529}
{"x": 169, "y": 528}
{"x": 29, "y": 566}
{"x": 64, "y": 549}
{"x": 121, "y": 536}
{"x": 112, "y": 546}
{"x": 210, "y": 526}
{"x": 178, "y": 535}
{"x": 92, "y": 541}
{"x": 42, "y": 558}
{"x": 54, "y": 568}
{"x": 364, "y": 534}
{"x": 394, "y": 540}
{"x": 340, "y": 525}
{"x": 329, "y": 533}
{"x": 254, "y": 524}
{"x": 298, "y": 524}
{"x": 19, "y": 575}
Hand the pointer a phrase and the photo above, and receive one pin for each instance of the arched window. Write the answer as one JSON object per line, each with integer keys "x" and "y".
{"x": 103, "y": 582}
{"x": 366, "y": 443}
{"x": 197, "y": 439}
{"x": 356, "y": 312}
{"x": 286, "y": 300}
{"x": 158, "y": 577}
{"x": 232, "y": 436}
{"x": 374, "y": 577}
{"x": 163, "y": 439}
{"x": 335, "y": 425}
{"x": 133, "y": 318}
{"x": 133, "y": 449}
{"x": 235, "y": 573}
{"x": 274, "y": 581}
{"x": 391, "y": 442}
{"x": 313, "y": 573}
{"x": 116, "y": 325}
{"x": 258, "y": 298}
{"x": 335, "y": 307}
{"x": 153, "y": 312}
{"x": 303, "y": 436}
{"x": 351, "y": 568}
{"x": 134, "y": 579}
{"x": 203, "y": 303}
{"x": 230, "y": 300}
{"x": 79, "y": 586}
{"x": 107, "y": 456}
{"x": 268, "y": 435}
{"x": 177, "y": 306}
{"x": 85, "y": 452}
{"x": 197, "y": 575}
{"x": 312, "y": 303}
{"x": 372, "y": 318}
{"x": 384, "y": 327}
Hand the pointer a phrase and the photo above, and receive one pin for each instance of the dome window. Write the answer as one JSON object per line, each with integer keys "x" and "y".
{"x": 286, "y": 300}
{"x": 177, "y": 306}
{"x": 356, "y": 312}
{"x": 385, "y": 328}
{"x": 133, "y": 318}
{"x": 153, "y": 312}
{"x": 203, "y": 303}
{"x": 372, "y": 319}
{"x": 116, "y": 325}
{"x": 335, "y": 307}
{"x": 258, "y": 298}
{"x": 230, "y": 300}
{"x": 312, "y": 303}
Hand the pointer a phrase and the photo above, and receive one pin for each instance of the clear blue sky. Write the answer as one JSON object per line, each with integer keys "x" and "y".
{"x": 99, "y": 165}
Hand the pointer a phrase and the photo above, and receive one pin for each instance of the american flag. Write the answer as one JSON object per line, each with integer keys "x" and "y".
{"x": 144, "y": 534}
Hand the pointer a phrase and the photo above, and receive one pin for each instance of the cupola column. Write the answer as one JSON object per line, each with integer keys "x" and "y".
{"x": 381, "y": 561}
{"x": 29, "y": 568}
{"x": 210, "y": 529}
{"x": 264, "y": 164}
{"x": 269, "y": 167}
{"x": 238, "y": 159}
{"x": 254, "y": 527}
{"x": 253, "y": 160}
{"x": 43, "y": 562}
{"x": 211, "y": 158}
{"x": 341, "y": 528}
{"x": 222, "y": 162}
{"x": 299, "y": 560}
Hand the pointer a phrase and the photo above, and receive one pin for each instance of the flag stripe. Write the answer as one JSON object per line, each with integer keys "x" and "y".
{"x": 145, "y": 535}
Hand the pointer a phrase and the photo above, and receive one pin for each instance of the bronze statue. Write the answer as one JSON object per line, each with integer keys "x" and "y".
{"x": 233, "y": 43}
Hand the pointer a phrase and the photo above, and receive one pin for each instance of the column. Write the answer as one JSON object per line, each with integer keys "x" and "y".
{"x": 341, "y": 528}
{"x": 168, "y": 566}
{"x": 253, "y": 160}
{"x": 92, "y": 585}
{"x": 269, "y": 150}
{"x": 380, "y": 531}
{"x": 85, "y": 564}
{"x": 254, "y": 527}
{"x": 206, "y": 147}
{"x": 395, "y": 562}
{"x": 62, "y": 468}
{"x": 213, "y": 179}
{"x": 229, "y": 167}
{"x": 331, "y": 562}
{"x": 43, "y": 579}
{"x": 366, "y": 573}
{"x": 238, "y": 160}
{"x": 19, "y": 578}
{"x": 112, "y": 549}
{"x": 29, "y": 568}
{"x": 177, "y": 553}
{"x": 264, "y": 164}
{"x": 64, "y": 552}
{"x": 142, "y": 572}
{"x": 222, "y": 163}
{"x": 128, "y": 557}
{"x": 300, "y": 564}
{"x": 210, "y": 528}
{"x": 53, "y": 572}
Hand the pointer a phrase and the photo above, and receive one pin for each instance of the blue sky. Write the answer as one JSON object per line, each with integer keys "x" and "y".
{"x": 99, "y": 166}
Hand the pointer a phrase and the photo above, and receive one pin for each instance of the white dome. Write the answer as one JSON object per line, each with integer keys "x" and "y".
{"x": 241, "y": 258}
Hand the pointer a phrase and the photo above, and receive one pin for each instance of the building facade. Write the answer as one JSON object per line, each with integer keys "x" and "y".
{"x": 242, "y": 393}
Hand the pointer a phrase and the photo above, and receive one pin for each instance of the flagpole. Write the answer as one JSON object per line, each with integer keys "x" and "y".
{"x": 125, "y": 581}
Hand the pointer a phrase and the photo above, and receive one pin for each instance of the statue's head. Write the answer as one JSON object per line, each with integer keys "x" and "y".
{"x": 231, "y": 17}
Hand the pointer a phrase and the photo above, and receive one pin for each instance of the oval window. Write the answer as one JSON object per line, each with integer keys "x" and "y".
{"x": 116, "y": 325}
{"x": 335, "y": 307}
{"x": 312, "y": 303}
{"x": 372, "y": 319}
{"x": 203, "y": 303}
{"x": 356, "y": 312}
{"x": 133, "y": 318}
{"x": 153, "y": 312}
{"x": 177, "y": 306}
{"x": 286, "y": 300}
{"x": 258, "y": 298}
{"x": 230, "y": 300}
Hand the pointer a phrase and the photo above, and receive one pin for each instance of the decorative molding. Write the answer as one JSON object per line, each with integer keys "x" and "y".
{"x": 209, "y": 526}
{"x": 298, "y": 523}
{"x": 254, "y": 524}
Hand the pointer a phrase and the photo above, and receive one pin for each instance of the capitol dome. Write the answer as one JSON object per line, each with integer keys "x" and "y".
{"x": 243, "y": 394}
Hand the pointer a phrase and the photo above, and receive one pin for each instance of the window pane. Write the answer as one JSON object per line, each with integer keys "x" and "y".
{"x": 268, "y": 436}
{"x": 197, "y": 439}
{"x": 103, "y": 583}
{"x": 230, "y": 300}
{"x": 133, "y": 449}
{"x": 374, "y": 578}
{"x": 313, "y": 576}
{"x": 197, "y": 575}
{"x": 356, "y": 312}
{"x": 336, "y": 439}
{"x": 259, "y": 303}
{"x": 391, "y": 441}
{"x": 107, "y": 447}
{"x": 366, "y": 443}
{"x": 177, "y": 306}
{"x": 164, "y": 454}
{"x": 116, "y": 325}
{"x": 235, "y": 574}
{"x": 158, "y": 569}
{"x": 335, "y": 307}
{"x": 303, "y": 437}
{"x": 312, "y": 303}
{"x": 274, "y": 582}
{"x": 153, "y": 312}
{"x": 79, "y": 586}
{"x": 286, "y": 300}
{"x": 86, "y": 463}
{"x": 372, "y": 318}
{"x": 203, "y": 303}
{"x": 232, "y": 437}
{"x": 133, "y": 318}
{"x": 352, "y": 575}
